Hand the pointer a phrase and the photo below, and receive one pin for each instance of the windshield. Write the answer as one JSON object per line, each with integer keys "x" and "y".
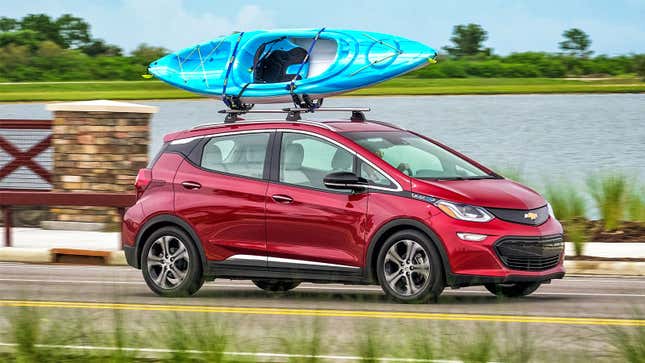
{"x": 416, "y": 156}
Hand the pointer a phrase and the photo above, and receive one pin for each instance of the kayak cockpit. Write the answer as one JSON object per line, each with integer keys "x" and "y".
{"x": 282, "y": 59}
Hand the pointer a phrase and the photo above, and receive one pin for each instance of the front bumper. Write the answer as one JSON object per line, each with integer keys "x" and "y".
{"x": 536, "y": 253}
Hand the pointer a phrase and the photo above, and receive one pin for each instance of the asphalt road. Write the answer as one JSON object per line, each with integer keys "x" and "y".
{"x": 578, "y": 307}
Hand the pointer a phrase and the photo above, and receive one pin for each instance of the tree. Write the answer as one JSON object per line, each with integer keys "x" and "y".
{"x": 74, "y": 32}
{"x": 468, "y": 41}
{"x": 8, "y": 24}
{"x": 98, "y": 47}
{"x": 576, "y": 43}
{"x": 42, "y": 25}
{"x": 145, "y": 53}
{"x": 639, "y": 65}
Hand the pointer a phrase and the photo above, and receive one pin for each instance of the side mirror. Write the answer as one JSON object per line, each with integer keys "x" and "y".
{"x": 344, "y": 180}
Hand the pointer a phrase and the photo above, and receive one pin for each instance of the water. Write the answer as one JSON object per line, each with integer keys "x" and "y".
{"x": 546, "y": 137}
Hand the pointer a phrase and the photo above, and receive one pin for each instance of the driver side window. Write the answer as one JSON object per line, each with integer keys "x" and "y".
{"x": 305, "y": 160}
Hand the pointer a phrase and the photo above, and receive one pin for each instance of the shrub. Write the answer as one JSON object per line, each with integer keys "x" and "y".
{"x": 636, "y": 204}
{"x": 566, "y": 201}
{"x": 610, "y": 194}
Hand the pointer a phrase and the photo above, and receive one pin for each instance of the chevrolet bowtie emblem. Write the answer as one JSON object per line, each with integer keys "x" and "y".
{"x": 530, "y": 215}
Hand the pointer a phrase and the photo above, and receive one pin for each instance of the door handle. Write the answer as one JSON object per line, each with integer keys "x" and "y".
{"x": 281, "y": 198}
{"x": 191, "y": 185}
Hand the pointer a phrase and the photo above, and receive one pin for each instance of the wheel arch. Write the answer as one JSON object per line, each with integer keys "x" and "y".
{"x": 391, "y": 227}
{"x": 166, "y": 220}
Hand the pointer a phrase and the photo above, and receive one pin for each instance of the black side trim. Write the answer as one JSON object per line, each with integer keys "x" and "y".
{"x": 370, "y": 275}
{"x": 166, "y": 219}
{"x": 247, "y": 272}
{"x": 130, "y": 255}
{"x": 470, "y": 280}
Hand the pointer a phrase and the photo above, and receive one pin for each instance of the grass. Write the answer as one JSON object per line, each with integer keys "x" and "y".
{"x": 609, "y": 191}
{"x": 202, "y": 338}
{"x": 154, "y": 89}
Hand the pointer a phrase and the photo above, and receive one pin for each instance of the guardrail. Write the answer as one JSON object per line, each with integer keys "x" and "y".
{"x": 10, "y": 198}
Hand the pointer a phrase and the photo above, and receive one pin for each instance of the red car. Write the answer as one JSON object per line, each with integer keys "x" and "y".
{"x": 355, "y": 202}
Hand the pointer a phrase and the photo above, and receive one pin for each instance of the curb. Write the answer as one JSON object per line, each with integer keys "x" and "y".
{"x": 623, "y": 268}
{"x": 117, "y": 258}
{"x": 39, "y": 255}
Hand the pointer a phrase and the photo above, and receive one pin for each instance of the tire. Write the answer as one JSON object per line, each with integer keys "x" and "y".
{"x": 276, "y": 285}
{"x": 184, "y": 275}
{"x": 517, "y": 289}
{"x": 412, "y": 279}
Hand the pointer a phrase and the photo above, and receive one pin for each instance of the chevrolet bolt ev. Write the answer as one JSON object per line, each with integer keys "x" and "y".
{"x": 366, "y": 202}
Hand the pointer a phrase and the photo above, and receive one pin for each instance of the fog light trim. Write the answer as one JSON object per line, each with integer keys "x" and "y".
{"x": 471, "y": 237}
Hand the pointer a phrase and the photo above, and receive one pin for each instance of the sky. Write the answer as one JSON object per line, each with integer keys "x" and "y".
{"x": 615, "y": 26}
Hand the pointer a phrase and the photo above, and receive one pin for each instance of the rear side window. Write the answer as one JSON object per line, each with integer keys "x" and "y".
{"x": 241, "y": 154}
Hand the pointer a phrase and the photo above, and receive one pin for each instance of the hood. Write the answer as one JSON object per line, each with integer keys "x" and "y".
{"x": 494, "y": 193}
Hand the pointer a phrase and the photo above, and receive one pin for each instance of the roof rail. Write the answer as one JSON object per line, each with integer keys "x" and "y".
{"x": 251, "y": 122}
{"x": 293, "y": 113}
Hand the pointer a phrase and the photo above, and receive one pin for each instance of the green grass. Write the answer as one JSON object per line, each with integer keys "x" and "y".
{"x": 47, "y": 337}
{"x": 153, "y": 89}
{"x": 610, "y": 192}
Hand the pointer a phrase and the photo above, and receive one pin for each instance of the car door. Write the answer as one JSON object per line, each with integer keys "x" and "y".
{"x": 310, "y": 227}
{"x": 221, "y": 192}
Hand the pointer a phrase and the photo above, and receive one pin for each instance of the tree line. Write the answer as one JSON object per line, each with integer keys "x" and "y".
{"x": 41, "y": 48}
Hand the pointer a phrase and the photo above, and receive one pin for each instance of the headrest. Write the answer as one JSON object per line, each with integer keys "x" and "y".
{"x": 293, "y": 156}
{"x": 212, "y": 154}
{"x": 342, "y": 160}
{"x": 255, "y": 153}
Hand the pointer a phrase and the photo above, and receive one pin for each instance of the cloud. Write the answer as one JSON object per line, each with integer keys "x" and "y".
{"x": 169, "y": 23}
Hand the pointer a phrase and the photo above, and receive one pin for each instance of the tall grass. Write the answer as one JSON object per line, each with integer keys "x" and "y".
{"x": 609, "y": 191}
{"x": 199, "y": 338}
{"x": 567, "y": 202}
{"x": 636, "y": 204}
{"x": 569, "y": 207}
{"x": 628, "y": 343}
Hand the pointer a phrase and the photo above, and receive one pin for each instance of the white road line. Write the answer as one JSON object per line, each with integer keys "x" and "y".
{"x": 238, "y": 354}
{"x": 313, "y": 287}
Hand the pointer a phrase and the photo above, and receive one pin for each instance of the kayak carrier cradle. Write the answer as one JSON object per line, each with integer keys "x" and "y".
{"x": 293, "y": 113}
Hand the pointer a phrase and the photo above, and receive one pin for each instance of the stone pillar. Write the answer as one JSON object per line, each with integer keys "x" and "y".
{"x": 98, "y": 147}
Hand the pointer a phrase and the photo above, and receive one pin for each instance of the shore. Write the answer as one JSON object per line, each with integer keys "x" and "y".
{"x": 153, "y": 89}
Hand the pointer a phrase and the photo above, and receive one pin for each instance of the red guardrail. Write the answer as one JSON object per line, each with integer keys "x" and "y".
{"x": 26, "y": 141}
{"x": 9, "y": 198}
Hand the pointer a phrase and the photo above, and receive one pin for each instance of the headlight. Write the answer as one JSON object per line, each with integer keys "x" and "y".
{"x": 464, "y": 212}
{"x": 550, "y": 209}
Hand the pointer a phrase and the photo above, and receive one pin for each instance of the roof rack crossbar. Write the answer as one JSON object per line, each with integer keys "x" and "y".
{"x": 293, "y": 113}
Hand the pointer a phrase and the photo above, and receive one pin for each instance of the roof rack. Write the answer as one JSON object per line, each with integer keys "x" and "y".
{"x": 293, "y": 113}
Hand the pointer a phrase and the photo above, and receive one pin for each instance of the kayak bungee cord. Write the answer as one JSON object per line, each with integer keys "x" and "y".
{"x": 225, "y": 99}
{"x": 397, "y": 50}
{"x": 305, "y": 102}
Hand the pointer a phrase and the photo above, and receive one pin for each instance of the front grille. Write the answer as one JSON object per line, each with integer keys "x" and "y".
{"x": 532, "y": 217}
{"x": 530, "y": 253}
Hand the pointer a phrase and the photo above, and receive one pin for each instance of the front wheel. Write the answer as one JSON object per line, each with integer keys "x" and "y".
{"x": 409, "y": 267}
{"x": 276, "y": 285}
{"x": 517, "y": 289}
{"x": 171, "y": 263}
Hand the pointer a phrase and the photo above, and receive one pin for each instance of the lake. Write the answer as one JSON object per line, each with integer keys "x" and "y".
{"x": 545, "y": 137}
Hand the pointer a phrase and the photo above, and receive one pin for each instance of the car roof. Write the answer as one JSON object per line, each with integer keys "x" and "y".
{"x": 336, "y": 126}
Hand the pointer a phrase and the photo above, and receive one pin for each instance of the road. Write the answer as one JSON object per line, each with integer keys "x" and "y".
{"x": 577, "y": 307}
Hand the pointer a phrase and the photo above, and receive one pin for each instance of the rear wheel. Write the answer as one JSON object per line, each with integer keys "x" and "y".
{"x": 517, "y": 289}
{"x": 276, "y": 285}
{"x": 409, "y": 268}
{"x": 171, "y": 263}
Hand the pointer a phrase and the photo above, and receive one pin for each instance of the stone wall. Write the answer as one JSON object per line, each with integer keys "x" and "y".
{"x": 98, "y": 147}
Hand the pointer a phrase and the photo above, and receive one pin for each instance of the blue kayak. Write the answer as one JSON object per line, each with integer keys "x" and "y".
{"x": 267, "y": 66}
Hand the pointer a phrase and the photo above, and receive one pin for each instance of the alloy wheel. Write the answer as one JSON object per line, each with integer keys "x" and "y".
{"x": 168, "y": 262}
{"x": 407, "y": 267}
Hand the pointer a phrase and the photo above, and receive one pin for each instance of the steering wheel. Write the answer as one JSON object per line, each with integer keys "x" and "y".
{"x": 405, "y": 167}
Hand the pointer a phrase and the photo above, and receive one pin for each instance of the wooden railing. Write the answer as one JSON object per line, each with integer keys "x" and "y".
{"x": 24, "y": 164}
{"x": 10, "y": 198}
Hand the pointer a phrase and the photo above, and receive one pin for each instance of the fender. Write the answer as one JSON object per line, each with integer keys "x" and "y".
{"x": 370, "y": 275}
{"x": 167, "y": 219}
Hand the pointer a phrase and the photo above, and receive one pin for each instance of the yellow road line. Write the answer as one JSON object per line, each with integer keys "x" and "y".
{"x": 327, "y": 313}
